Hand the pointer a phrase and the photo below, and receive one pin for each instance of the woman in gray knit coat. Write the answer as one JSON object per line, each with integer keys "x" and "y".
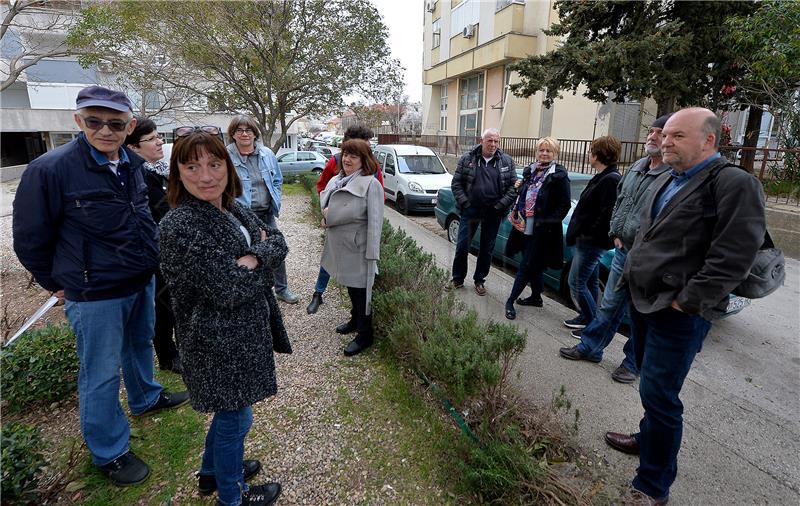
{"x": 352, "y": 204}
{"x": 217, "y": 258}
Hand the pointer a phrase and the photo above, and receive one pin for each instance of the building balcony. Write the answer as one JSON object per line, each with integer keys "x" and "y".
{"x": 501, "y": 50}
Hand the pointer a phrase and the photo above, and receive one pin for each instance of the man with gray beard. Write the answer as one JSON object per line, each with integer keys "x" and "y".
{"x": 631, "y": 194}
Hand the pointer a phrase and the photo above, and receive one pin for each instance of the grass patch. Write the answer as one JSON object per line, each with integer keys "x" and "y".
{"x": 409, "y": 449}
{"x": 168, "y": 441}
{"x": 292, "y": 188}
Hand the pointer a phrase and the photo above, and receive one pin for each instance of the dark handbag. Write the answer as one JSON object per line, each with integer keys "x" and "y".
{"x": 767, "y": 273}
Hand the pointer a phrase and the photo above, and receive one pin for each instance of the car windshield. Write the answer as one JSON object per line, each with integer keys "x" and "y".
{"x": 420, "y": 164}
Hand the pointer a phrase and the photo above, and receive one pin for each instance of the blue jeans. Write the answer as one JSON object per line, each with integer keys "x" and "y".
{"x": 489, "y": 221}
{"x": 223, "y": 456}
{"x": 600, "y": 332}
{"x": 584, "y": 285}
{"x": 281, "y": 282}
{"x": 527, "y": 273}
{"x": 322, "y": 281}
{"x": 110, "y": 334}
{"x": 666, "y": 344}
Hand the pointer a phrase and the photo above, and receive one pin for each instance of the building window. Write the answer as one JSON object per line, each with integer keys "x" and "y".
{"x": 443, "y": 109}
{"x": 437, "y": 33}
{"x": 470, "y": 102}
{"x": 152, "y": 100}
{"x": 59, "y": 139}
{"x": 465, "y": 13}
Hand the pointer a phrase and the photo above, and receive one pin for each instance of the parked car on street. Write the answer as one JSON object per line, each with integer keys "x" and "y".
{"x": 326, "y": 151}
{"x": 296, "y": 162}
{"x": 447, "y": 215}
{"x": 412, "y": 176}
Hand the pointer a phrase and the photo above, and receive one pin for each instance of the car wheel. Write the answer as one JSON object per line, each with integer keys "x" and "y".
{"x": 453, "y": 224}
{"x": 401, "y": 204}
{"x": 316, "y": 170}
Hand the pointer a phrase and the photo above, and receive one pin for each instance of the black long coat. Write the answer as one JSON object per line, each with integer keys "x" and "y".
{"x": 227, "y": 320}
{"x": 552, "y": 205}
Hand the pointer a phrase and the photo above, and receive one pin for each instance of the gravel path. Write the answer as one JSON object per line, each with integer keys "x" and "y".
{"x": 305, "y": 436}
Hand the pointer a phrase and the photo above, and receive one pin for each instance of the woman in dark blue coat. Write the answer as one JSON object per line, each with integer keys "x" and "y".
{"x": 542, "y": 203}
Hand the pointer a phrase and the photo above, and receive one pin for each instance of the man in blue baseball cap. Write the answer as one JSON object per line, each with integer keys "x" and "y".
{"x": 82, "y": 227}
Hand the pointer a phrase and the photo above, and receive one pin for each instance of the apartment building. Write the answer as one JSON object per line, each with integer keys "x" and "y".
{"x": 468, "y": 48}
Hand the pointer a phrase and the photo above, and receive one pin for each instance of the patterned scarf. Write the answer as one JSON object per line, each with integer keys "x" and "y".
{"x": 537, "y": 178}
{"x": 160, "y": 167}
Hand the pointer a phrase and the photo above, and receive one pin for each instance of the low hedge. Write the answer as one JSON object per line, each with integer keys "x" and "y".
{"x": 470, "y": 360}
{"x": 22, "y": 460}
{"x": 41, "y": 366}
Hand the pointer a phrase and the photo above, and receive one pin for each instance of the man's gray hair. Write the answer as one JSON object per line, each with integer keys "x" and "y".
{"x": 713, "y": 125}
{"x": 492, "y": 131}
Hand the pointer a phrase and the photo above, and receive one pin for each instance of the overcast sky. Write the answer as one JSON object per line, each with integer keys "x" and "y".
{"x": 404, "y": 19}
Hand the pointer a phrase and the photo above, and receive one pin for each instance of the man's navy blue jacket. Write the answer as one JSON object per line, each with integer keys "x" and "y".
{"x": 77, "y": 228}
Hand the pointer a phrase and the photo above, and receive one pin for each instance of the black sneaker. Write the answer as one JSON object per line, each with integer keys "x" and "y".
{"x": 531, "y": 301}
{"x": 577, "y": 333}
{"x": 575, "y": 323}
{"x": 207, "y": 484}
{"x": 165, "y": 401}
{"x": 126, "y": 470}
{"x": 261, "y": 495}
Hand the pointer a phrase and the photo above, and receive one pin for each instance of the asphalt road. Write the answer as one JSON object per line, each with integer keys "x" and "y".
{"x": 741, "y": 441}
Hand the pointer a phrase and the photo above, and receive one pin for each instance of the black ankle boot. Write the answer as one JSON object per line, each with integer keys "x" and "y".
{"x": 316, "y": 301}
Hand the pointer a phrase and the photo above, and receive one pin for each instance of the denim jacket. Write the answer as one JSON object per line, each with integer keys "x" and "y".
{"x": 268, "y": 165}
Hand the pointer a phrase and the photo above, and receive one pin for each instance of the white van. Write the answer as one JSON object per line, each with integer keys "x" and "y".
{"x": 412, "y": 176}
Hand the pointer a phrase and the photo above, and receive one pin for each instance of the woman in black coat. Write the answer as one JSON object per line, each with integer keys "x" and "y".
{"x": 542, "y": 203}
{"x": 218, "y": 258}
{"x": 146, "y": 142}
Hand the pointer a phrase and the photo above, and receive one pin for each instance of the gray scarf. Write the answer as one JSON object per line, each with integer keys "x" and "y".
{"x": 342, "y": 180}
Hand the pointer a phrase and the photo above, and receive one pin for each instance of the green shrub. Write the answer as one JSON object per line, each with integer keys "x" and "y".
{"x": 42, "y": 366}
{"x": 21, "y": 460}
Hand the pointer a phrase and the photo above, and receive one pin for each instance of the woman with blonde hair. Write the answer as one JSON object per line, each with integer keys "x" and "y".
{"x": 542, "y": 203}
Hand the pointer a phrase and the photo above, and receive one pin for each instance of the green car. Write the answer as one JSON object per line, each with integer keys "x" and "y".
{"x": 448, "y": 217}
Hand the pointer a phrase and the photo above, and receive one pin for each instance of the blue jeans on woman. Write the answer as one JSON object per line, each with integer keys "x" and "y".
{"x": 113, "y": 334}
{"x": 527, "y": 274}
{"x": 584, "y": 285}
{"x": 322, "y": 281}
{"x": 596, "y": 336}
{"x": 224, "y": 453}
{"x": 666, "y": 344}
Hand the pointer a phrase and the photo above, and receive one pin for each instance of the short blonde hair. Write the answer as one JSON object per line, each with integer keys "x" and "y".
{"x": 549, "y": 142}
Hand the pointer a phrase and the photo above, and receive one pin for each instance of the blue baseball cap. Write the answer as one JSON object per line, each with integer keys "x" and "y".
{"x": 97, "y": 96}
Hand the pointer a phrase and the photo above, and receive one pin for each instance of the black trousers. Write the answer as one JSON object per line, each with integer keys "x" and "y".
{"x": 166, "y": 351}
{"x": 363, "y": 322}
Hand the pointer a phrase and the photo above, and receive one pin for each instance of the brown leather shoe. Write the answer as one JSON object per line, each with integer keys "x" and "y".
{"x": 626, "y": 443}
{"x": 480, "y": 289}
{"x": 635, "y": 497}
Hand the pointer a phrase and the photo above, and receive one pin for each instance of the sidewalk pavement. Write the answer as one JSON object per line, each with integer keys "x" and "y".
{"x": 736, "y": 449}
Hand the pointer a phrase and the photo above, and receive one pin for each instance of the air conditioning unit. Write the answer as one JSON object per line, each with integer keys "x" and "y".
{"x": 469, "y": 31}
{"x": 430, "y": 6}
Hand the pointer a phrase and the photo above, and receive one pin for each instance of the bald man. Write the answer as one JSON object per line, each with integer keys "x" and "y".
{"x": 701, "y": 227}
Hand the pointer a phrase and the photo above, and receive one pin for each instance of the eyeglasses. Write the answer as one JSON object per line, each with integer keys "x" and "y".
{"x": 243, "y": 131}
{"x": 92, "y": 123}
{"x": 189, "y": 130}
{"x": 155, "y": 138}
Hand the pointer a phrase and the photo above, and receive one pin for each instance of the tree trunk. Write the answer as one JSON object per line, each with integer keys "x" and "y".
{"x": 751, "y": 132}
{"x": 666, "y": 105}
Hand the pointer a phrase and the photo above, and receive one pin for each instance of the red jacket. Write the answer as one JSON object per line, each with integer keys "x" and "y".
{"x": 330, "y": 170}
